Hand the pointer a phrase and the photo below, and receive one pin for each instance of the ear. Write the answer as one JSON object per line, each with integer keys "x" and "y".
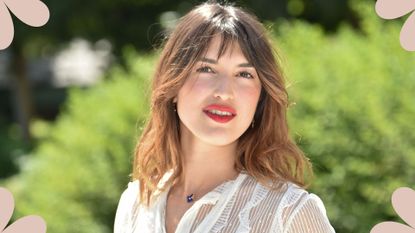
{"x": 175, "y": 100}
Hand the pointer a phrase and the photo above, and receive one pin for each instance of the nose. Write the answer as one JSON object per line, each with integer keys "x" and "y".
{"x": 224, "y": 88}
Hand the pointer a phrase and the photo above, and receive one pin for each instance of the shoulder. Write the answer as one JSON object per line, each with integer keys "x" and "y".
{"x": 296, "y": 197}
{"x": 294, "y": 208}
{"x": 293, "y": 196}
{"x": 303, "y": 211}
{"x": 131, "y": 192}
{"x": 287, "y": 192}
{"x": 125, "y": 205}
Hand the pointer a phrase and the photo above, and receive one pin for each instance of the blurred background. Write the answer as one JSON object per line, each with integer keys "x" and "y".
{"x": 74, "y": 95}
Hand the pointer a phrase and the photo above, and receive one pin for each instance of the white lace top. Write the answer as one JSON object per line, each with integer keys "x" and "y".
{"x": 236, "y": 206}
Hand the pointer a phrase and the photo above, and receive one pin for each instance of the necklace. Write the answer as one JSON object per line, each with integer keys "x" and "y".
{"x": 189, "y": 198}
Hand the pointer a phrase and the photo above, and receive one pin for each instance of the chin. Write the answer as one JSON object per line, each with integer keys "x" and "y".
{"x": 219, "y": 141}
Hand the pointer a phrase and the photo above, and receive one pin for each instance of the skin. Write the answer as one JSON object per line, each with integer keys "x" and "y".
{"x": 209, "y": 147}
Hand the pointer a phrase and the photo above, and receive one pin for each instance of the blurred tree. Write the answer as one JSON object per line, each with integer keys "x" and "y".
{"x": 11, "y": 147}
{"x": 69, "y": 19}
{"x": 84, "y": 160}
{"x": 132, "y": 22}
{"x": 353, "y": 114}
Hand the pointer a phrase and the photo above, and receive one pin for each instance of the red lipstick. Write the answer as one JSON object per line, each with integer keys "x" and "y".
{"x": 220, "y": 118}
{"x": 222, "y": 108}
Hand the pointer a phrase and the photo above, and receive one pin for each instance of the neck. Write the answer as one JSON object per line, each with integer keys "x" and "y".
{"x": 200, "y": 179}
{"x": 205, "y": 167}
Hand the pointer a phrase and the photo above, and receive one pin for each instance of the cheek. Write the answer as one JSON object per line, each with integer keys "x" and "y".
{"x": 197, "y": 86}
{"x": 248, "y": 99}
{"x": 250, "y": 93}
{"x": 192, "y": 95}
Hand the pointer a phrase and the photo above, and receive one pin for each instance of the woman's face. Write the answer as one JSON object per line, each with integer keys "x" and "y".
{"x": 229, "y": 81}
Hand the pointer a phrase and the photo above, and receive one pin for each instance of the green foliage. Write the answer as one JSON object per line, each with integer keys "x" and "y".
{"x": 353, "y": 114}
{"x": 12, "y": 148}
{"x": 75, "y": 177}
{"x": 353, "y": 117}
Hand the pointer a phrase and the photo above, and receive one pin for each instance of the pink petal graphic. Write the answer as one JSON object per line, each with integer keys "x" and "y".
{"x": 392, "y": 9}
{"x": 6, "y": 27}
{"x": 403, "y": 201}
{"x": 391, "y": 227}
{"x": 7, "y": 206}
{"x": 32, "y": 223}
{"x": 407, "y": 36}
{"x": 32, "y": 12}
{"x": 27, "y": 224}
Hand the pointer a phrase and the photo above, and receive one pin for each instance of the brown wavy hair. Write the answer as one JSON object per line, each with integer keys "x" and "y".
{"x": 265, "y": 151}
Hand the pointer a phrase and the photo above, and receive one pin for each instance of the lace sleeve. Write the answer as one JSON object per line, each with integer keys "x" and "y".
{"x": 125, "y": 204}
{"x": 309, "y": 216}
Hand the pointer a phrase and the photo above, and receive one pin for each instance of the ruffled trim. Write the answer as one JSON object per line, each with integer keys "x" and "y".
{"x": 223, "y": 219}
{"x": 259, "y": 194}
{"x": 225, "y": 203}
{"x": 291, "y": 196}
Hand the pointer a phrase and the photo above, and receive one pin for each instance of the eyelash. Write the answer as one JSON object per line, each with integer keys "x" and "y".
{"x": 204, "y": 67}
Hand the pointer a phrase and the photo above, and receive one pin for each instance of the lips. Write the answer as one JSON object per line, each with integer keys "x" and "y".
{"x": 222, "y": 108}
{"x": 219, "y": 118}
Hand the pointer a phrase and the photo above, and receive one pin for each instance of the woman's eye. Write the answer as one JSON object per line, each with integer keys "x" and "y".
{"x": 207, "y": 69}
{"x": 204, "y": 69}
{"x": 246, "y": 74}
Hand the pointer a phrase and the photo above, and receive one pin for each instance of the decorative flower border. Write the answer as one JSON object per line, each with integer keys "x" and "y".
{"x": 27, "y": 224}
{"x": 36, "y": 14}
{"x": 31, "y": 12}
{"x": 392, "y": 9}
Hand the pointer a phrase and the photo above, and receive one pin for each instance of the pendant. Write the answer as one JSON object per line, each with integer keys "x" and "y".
{"x": 189, "y": 198}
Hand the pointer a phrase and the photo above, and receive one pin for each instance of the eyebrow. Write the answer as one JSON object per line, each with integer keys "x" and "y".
{"x": 212, "y": 61}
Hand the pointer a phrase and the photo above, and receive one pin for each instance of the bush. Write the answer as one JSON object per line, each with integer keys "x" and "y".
{"x": 75, "y": 177}
{"x": 353, "y": 114}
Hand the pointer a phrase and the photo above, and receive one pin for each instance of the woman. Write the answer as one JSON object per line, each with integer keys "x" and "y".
{"x": 216, "y": 155}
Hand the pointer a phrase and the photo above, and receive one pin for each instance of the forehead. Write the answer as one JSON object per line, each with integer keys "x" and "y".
{"x": 218, "y": 47}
